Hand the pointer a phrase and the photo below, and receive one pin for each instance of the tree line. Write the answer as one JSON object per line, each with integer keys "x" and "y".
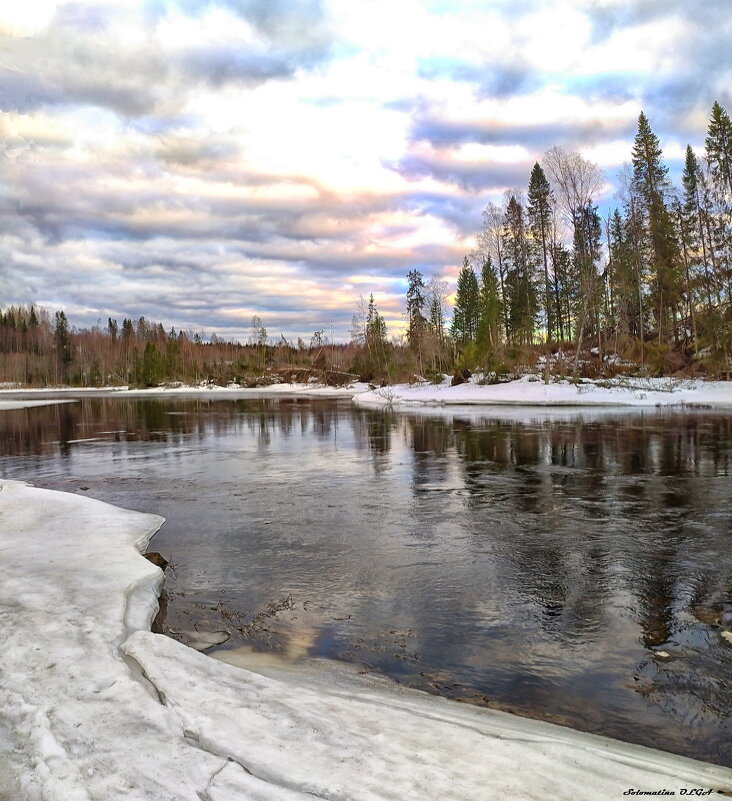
{"x": 650, "y": 281}
{"x": 649, "y": 284}
{"x": 38, "y": 349}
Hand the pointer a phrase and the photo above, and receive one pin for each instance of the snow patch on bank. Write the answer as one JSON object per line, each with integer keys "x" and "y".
{"x": 531, "y": 391}
{"x": 306, "y": 390}
{"x": 97, "y": 708}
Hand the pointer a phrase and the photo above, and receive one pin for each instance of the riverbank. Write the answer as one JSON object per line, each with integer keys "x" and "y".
{"x": 97, "y": 707}
{"x": 528, "y": 391}
{"x": 532, "y": 391}
{"x": 305, "y": 390}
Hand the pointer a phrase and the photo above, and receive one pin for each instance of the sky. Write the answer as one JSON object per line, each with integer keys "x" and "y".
{"x": 199, "y": 162}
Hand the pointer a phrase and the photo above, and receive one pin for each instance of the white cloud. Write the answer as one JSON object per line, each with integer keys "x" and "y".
{"x": 191, "y": 162}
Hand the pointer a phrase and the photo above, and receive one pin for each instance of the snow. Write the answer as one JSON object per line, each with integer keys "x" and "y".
{"x": 308, "y": 390}
{"x": 28, "y": 404}
{"x": 78, "y": 721}
{"x": 532, "y": 391}
{"x": 16, "y": 390}
{"x": 97, "y": 708}
{"x": 529, "y": 390}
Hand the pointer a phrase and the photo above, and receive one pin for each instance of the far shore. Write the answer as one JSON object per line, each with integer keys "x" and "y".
{"x": 529, "y": 391}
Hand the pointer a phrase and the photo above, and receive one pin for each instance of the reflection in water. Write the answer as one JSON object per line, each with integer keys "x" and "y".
{"x": 564, "y": 565}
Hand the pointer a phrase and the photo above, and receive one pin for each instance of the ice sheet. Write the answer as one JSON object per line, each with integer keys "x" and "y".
{"x": 28, "y": 404}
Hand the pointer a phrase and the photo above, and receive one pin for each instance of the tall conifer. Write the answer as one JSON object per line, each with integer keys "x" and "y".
{"x": 539, "y": 214}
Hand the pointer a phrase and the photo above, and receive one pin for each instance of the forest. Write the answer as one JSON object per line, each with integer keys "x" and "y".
{"x": 646, "y": 286}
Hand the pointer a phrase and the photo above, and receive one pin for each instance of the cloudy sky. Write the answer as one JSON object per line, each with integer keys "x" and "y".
{"x": 201, "y": 161}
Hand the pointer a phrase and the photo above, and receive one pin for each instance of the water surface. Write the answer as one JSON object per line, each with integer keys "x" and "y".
{"x": 570, "y": 566}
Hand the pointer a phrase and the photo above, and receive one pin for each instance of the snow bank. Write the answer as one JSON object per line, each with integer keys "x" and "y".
{"x": 16, "y": 389}
{"x": 531, "y": 391}
{"x": 307, "y": 390}
{"x": 78, "y": 721}
{"x": 96, "y": 708}
{"x": 527, "y": 391}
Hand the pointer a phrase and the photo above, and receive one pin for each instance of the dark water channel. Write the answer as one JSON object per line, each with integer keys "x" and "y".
{"x": 570, "y": 566}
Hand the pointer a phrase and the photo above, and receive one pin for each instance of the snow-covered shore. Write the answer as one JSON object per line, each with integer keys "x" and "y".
{"x": 532, "y": 391}
{"x": 94, "y": 707}
{"x": 306, "y": 390}
{"x": 528, "y": 391}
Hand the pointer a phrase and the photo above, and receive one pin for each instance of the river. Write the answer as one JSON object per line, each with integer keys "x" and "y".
{"x": 572, "y": 566}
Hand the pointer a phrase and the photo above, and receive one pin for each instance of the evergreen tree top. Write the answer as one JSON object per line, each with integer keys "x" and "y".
{"x": 690, "y": 175}
{"x": 538, "y": 181}
{"x": 649, "y": 171}
{"x": 719, "y": 146}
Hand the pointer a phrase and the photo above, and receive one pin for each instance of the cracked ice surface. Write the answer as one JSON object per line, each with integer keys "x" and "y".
{"x": 94, "y": 706}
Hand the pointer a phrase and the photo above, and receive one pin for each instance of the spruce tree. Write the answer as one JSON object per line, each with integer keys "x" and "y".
{"x": 490, "y": 309}
{"x": 539, "y": 214}
{"x": 437, "y": 292}
{"x": 465, "y": 312}
{"x": 63, "y": 344}
{"x": 416, "y": 321}
{"x": 691, "y": 233}
{"x": 562, "y": 288}
{"x": 587, "y": 292}
{"x": 375, "y": 330}
{"x": 624, "y": 288}
{"x": 650, "y": 179}
{"x": 719, "y": 224}
{"x": 520, "y": 287}
{"x": 719, "y": 147}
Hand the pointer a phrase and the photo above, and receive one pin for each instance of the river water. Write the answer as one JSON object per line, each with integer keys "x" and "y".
{"x": 573, "y": 566}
